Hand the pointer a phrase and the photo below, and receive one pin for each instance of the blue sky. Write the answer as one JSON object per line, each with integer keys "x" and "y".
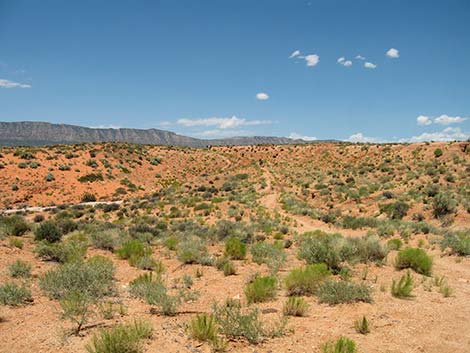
{"x": 212, "y": 68}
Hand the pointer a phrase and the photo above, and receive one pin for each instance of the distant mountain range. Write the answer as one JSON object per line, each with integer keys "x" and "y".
{"x": 29, "y": 133}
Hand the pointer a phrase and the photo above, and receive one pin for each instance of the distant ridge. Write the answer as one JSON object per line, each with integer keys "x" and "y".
{"x": 31, "y": 133}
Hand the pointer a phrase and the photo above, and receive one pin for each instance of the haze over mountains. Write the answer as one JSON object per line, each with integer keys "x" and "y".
{"x": 28, "y": 133}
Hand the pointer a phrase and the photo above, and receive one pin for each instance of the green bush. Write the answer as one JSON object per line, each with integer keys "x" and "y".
{"x": 414, "y": 258}
{"x": 134, "y": 251}
{"x": 394, "y": 244}
{"x": 48, "y": 231}
{"x": 236, "y": 323}
{"x": 272, "y": 255}
{"x": 193, "y": 251}
{"x": 20, "y": 268}
{"x": 13, "y": 226}
{"x": 458, "y": 242}
{"x": 337, "y": 292}
{"x": 342, "y": 345}
{"x": 395, "y": 210}
{"x": 124, "y": 338}
{"x": 443, "y": 204}
{"x": 235, "y": 249}
{"x": 68, "y": 251}
{"x": 108, "y": 239}
{"x": 305, "y": 281}
{"x": 14, "y": 295}
{"x": 95, "y": 278}
{"x": 403, "y": 288}
{"x": 320, "y": 247}
{"x": 295, "y": 306}
{"x": 437, "y": 152}
{"x": 261, "y": 289}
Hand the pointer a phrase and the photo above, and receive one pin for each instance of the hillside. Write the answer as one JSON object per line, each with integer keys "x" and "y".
{"x": 28, "y": 133}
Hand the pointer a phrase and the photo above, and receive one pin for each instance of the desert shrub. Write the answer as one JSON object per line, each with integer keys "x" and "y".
{"x": 13, "y": 226}
{"x": 320, "y": 247}
{"x": 224, "y": 229}
{"x": 261, "y": 289}
{"x": 414, "y": 258}
{"x": 305, "y": 281}
{"x": 49, "y": 177}
{"x": 108, "y": 239}
{"x": 123, "y": 338}
{"x": 90, "y": 178}
{"x": 342, "y": 345}
{"x": 337, "y": 292}
{"x": 351, "y": 222}
{"x": 14, "y": 295}
{"x": 272, "y": 255}
{"x": 225, "y": 265}
{"x": 193, "y": 251}
{"x": 48, "y": 231}
{"x": 88, "y": 197}
{"x": 171, "y": 242}
{"x": 458, "y": 242}
{"x": 235, "y": 249}
{"x": 68, "y": 251}
{"x": 95, "y": 278}
{"x": 395, "y": 210}
{"x": 204, "y": 328}
{"x": 235, "y": 323}
{"x": 437, "y": 152}
{"x": 133, "y": 250}
{"x": 365, "y": 249}
{"x": 443, "y": 204}
{"x": 295, "y": 306}
{"x": 16, "y": 242}
{"x": 38, "y": 218}
{"x": 394, "y": 244}
{"x": 152, "y": 289}
{"x": 362, "y": 326}
{"x": 20, "y": 268}
{"x": 403, "y": 288}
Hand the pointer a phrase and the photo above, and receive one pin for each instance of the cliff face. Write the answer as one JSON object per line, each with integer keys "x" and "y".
{"x": 41, "y": 133}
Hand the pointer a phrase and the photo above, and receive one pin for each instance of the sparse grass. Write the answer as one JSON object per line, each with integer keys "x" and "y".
{"x": 204, "y": 328}
{"x": 235, "y": 249}
{"x": 272, "y": 255}
{"x": 342, "y": 345}
{"x": 295, "y": 306}
{"x": 362, "y": 326}
{"x": 125, "y": 338}
{"x": 402, "y": 288}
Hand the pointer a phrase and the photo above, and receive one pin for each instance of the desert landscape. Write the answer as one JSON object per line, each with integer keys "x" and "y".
{"x": 322, "y": 247}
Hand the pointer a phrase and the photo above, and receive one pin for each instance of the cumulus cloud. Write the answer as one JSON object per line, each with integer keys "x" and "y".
{"x": 360, "y": 57}
{"x": 222, "y": 133}
{"x": 393, "y": 53}
{"x": 10, "y": 84}
{"x": 221, "y": 123}
{"x": 443, "y": 119}
{"x": 447, "y": 120}
{"x": 359, "y": 137}
{"x": 262, "y": 96}
{"x": 294, "y": 54}
{"x": 312, "y": 59}
{"x": 369, "y": 65}
{"x": 296, "y": 136}
{"x": 344, "y": 62}
{"x": 423, "y": 120}
{"x": 448, "y": 134}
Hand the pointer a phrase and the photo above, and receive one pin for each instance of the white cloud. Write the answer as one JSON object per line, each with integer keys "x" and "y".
{"x": 221, "y": 123}
{"x": 359, "y": 137}
{"x": 312, "y": 59}
{"x": 296, "y": 136}
{"x": 344, "y": 62}
{"x": 262, "y": 96}
{"x": 448, "y": 134}
{"x": 11, "y": 84}
{"x": 222, "y": 133}
{"x": 447, "y": 120}
{"x": 294, "y": 54}
{"x": 369, "y": 65}
{"x": 360, "y": 57}
{"x": 423, "y": 120}
{"x": 393, "y": 53}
